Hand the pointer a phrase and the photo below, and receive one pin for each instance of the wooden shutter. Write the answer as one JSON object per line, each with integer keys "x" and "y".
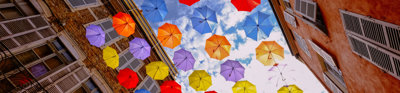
{"x": 332, "y": 86}
{"x": 69, "y": 46}
{"x": 290, "y": 19}
{"x": 297, "y": 5}
{"x": 302, "y": 43}
{"x": 307, "y": 9}
{"x": 68, "y": 83}
{"x": 381, "y": 33}
{"x": 328, "y": 58}
{"x": 76, "y": 3}
{"x": 311, "y": 10}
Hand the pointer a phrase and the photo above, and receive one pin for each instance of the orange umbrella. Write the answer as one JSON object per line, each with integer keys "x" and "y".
{"x": 123, "y": 24}
{"x": 268, "y": 51}
{"x": 218, "y": 47}
{"x": 169, "y": 35}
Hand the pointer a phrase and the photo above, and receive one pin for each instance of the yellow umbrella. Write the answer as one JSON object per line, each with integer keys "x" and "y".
{"x": 244, "y": 87}
{"x": 268, "y": 51}
{"x": 200, "y": 80}
{"x": 157, "y": 70}
{"x": 111, "y": 57}
{"x": 290, "y": 89}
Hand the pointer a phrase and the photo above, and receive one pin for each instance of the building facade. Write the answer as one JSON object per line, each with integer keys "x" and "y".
{"x": 351, "y": 46}
{"x": 44, "y": 48}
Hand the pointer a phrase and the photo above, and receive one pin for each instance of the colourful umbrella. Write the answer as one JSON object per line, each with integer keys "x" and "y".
{"x": 204, "y": 20}
{"x": 244, "y": 87}
{"x": 157, "y": 70}
{"x": 139, "y": 48}
{"x": 123, "y": 24}
{"x": 210, "y": 92}
{"x": 245, "y": 5}
{"x": 170, "y": 87}
{"x": 127, "y": 78}
{"x": 200, "y": 80}
{"x": 95, "y": 35}
{"x": 111, "y": 57}
{"x": 183, "y": 60}
{"x": 232, "y": 70}
{"x": 218, "y": 47}
{"x": 169, "y": 35}
{"x": 154, "y": 10}
{"x": 290, "y": 89}
{"x": 268, "y": 51}
{"x": 257, "y": 26}
{"x": 188, "y": 2}
{"x": 142, "y": 91}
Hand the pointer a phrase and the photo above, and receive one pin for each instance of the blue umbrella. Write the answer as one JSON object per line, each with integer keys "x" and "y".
{"x": 257, "y": 26}
{"x": 204, "y": 20}
{"x": 95, "y": 35}
{"x": 154, "y": 10}
{"x": 142, "y": 91}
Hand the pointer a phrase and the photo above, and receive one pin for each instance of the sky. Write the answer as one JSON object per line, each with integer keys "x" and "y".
{"x": 266, "y": 78}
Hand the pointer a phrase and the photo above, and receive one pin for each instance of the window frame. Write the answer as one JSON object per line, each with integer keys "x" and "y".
{"x": 128, "y": 62}
{"x": 112, "y": 41}
{"x": 84, "y": 6}
{"x": 154, "y": 84}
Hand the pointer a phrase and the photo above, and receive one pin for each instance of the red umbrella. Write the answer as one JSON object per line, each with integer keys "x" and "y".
{"x": 210, "y": 92}
{"x": 170, "y": 87}
{"x": 127, "y": 78}
{"x": 245, "y": 5}
{"x": 188, "y": 2}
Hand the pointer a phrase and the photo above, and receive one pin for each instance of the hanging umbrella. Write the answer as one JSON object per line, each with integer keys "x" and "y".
{"x": 204, "y": 20}
{"x": 218, "y": 47}
{"x": 157, "y": 70}
{"x": 245, "y": 5}
{"x": 232, "y": 70}
{"x": 183, "y": 60}
{"x": 111, "y": 57}
{"x": 139, "y": 48}
{"x": 200, "y": 80}
{"x": 268, "y": 51}
{"x": 123, "y": 24}
{"x": 210, "y": 92}
{"x": 142, "y": 91}
{"x": 95, "y": 35}
{"x": 290, "y": 89}
{"x": 128, "y": 78}
{"x": 188, "y": 2}
{"x": 169, "y": 35}
{"x": 170, "y": 87}
{"x": 244, "y": 87}
{"x": 154, "y": 10}
{"x": 257, "y": 26}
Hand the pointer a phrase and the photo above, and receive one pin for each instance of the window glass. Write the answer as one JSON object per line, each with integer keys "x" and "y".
{"x": 38, "y": 70}
{"x": 90, "y": 84}
{"x": 148, "y": 83}
{"x": 154, "y": 89}
{"x": 80, "y": 90}
{"x": 5, "y": 86}
{"x": 68, "y": 56}
{"x": 27, "y": 57}
{"x": 43, "y": 51}
{"x": 21, "y": 79}
{"x": 58, "y": 45}
{"x": 10, "y": 12}
{"x": 53, "y": 62}
{"x": 7, "y": 65}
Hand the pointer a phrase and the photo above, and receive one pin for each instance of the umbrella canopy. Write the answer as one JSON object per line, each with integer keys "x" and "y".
{"x": 154, "y": 10}
{"x": 245, "y": 5}
{"x": 210, "y": 92}
{"x": 244, "y": 87}
{"x": 139, "y": 48}
{"x": 268, "y": 51}
{"x": 188, "y": 2}
{"x": 142, "y": 91}
{"x": 218, "y": 47}
{"x": 200, "y": 80}
{"x": 257, "y": 26}
{"x": 204, "y": 20}
{"x": 170, "y": 87}
{"x": 290, "y": 89}
{"x": 157, "y": 70}
{"x": 183, "y": 60}
{"x": 128, "y": 78}
{"x": 232, "y": 70}
{"x": 95, "y": 35}
{"x": 111, "y": 57}
{"x": 124, "y": 24}
{"x": 169, "y": 35}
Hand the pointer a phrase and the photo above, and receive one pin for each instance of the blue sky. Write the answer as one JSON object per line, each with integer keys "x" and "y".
{"x": 243, "y": 49}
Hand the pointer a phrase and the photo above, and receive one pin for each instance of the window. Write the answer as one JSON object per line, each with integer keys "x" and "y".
{"x": 290, "y": 19}
{"x": 128, "y": 61}
{"x": 311, "y": 14}
{"x": 16, "y": 9}
{"x": 288, "y": 7}
{"x": 329, "y": 83}
{"x": 111, "y": 35}
{"x": 150, "y": 84}
{"x": 81, "y": 3}
{"x": 302, "y": 44}
{"x": 88, "y": 87}
{"x": 380, "y": 33}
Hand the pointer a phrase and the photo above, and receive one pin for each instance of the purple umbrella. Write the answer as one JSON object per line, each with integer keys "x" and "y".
{"x": 232, "y": 70}
{"x": 139, "y": 48}
{"x": 95, "y": 35}
{"x": 183, "y": 60}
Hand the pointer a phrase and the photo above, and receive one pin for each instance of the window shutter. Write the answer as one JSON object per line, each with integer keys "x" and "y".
{"x": 290, "y": 19}
{"x": 303, "y": 7}
{"x": 69, "y": 46}
{"x": 82, "y": 74}
{"x": 328, "y": 58}
{"x": 331, "y": 85}
{"x": 76, "y": 3}
{"x": 311, "y": 10}
{"x": 396, "y": 62}
{"x": 297, "y": 5}
{"x": 302, "y": 44}
{"x": 90, "y": 1}
{"x": 67, "y": 83}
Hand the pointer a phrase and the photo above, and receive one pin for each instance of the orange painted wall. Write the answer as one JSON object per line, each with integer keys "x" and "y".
{"x": 360, "y": 75}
